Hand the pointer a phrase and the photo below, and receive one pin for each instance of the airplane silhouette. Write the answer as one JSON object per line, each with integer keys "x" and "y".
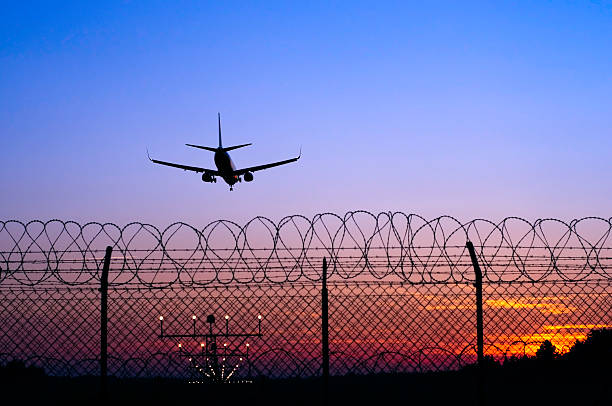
{"x": 225, "y": 166}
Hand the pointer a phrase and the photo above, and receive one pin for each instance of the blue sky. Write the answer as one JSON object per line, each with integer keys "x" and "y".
{"x": 473, "y": 109}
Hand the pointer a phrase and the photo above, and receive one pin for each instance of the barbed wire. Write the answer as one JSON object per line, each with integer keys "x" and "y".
{"x": 359, "y": 244}
{"x": 401, "y": 293}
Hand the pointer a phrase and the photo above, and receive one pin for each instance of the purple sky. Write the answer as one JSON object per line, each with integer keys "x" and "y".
{"x": 467, "y": 109}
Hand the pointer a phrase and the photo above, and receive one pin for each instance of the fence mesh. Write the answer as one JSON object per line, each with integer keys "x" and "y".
{"x": 401, "y": 295}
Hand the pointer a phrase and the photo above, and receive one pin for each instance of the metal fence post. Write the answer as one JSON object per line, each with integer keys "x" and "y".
{"x": 479, "y": 322}
{"x": 325, "y": 334}
{"x": 104, "y": 325}
{"x": 478, "y": 285}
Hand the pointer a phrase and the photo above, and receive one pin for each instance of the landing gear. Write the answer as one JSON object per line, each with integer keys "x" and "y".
{"x": 231, "y": 188}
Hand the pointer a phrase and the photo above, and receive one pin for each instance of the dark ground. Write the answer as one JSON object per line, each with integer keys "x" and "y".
{"x": 583, "y": 376}
{"x": 567, "y": 384}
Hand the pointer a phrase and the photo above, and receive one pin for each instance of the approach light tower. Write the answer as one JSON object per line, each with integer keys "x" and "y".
{"x": 208, "y": 361}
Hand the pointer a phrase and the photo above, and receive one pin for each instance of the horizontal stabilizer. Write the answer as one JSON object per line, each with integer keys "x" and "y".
{"x": 234, "y": 147}
{"x": 201, "y": 147}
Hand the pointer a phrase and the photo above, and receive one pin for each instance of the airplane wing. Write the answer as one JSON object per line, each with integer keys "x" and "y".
{"x": 266, "y": 166}
{"x": 186, "y": 167}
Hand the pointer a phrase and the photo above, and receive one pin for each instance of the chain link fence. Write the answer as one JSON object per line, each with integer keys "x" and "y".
{"x": 401, "y": 294}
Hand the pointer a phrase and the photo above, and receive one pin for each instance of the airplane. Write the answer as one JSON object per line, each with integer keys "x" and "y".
{"x": 225, "y": 166}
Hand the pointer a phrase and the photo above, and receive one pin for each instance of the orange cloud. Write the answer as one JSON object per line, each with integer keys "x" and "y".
{"x": 553, "y": 308}
{"x": 577, "y": 326}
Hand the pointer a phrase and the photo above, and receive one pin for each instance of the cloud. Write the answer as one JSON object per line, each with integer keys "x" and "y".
{"x": 552, "y": 308}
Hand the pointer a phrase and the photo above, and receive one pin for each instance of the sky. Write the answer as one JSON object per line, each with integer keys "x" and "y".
{"x": 470, "y": 109}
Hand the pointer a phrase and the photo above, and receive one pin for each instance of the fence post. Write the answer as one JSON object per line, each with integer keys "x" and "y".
{"x": 479, "y": 323}
{"x": 325, "y": 334}
{"x": 104, "y": 325}
{"x": 478, "y": 285}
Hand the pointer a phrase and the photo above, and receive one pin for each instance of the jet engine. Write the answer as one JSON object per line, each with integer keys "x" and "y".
{"x": 207, "y": 178}
{"x": 248, "y": 177}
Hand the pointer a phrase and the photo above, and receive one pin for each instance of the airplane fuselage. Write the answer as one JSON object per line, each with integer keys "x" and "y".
{"x": 226, "y": 167}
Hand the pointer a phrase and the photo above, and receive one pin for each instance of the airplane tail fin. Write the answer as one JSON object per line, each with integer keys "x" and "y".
{"x": 219, "y": 117}
{"x": 221, "y": 144}
{"x": 211, "y": 149}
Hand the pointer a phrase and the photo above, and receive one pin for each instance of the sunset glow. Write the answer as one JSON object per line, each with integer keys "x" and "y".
{"x": 553, "y": 308}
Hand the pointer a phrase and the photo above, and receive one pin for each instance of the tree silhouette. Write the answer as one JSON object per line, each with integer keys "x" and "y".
{"x": 546, "y": 352}
{"x": 597, "y": 346}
